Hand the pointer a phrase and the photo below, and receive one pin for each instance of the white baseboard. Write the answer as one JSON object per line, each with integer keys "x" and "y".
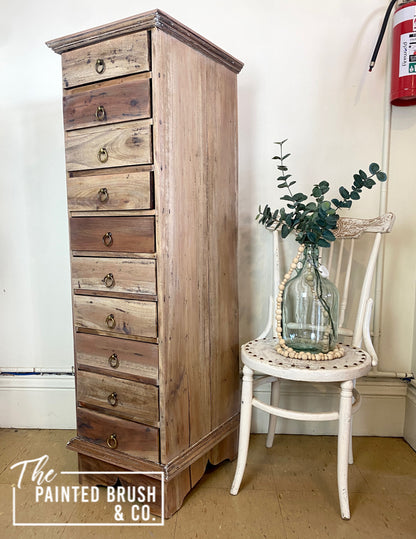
{"x": 37, "y": 401}
{"x": 382, "y": 411}
{"x": 410, "y": 421}
{"x": 388, "y": 406}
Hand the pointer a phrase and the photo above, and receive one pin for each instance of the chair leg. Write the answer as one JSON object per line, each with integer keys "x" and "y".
{"x": 245, "y": 425}
{"x": 274, "y": 401}
{"x": 344, "y": 443}
{"x": 351, "y": 454}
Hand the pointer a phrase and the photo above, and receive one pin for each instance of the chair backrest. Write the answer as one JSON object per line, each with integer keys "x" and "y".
{"x": 348, "y": 273}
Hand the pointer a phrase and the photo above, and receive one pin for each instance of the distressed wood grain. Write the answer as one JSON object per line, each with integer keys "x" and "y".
{"x": 131, "y": 317}
{"x": 131, "y": 400}
{"x": 128, "y": 234}
{"x": 106, "y": 192}
{"x": 195, "y": 200}
{"x": 134, "y": 360}
{"x": 120, "y": 56}
{"x": 129, "y": 275}
{"x": 119, "y": 100}
{"x": 133, "y": 438}
{"x": 128, "y": 143}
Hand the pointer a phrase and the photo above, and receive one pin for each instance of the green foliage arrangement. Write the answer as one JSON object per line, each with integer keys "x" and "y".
{"x": 313, "y": 221}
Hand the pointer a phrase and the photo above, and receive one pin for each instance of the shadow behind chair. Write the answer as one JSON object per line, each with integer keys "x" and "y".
{"x": 260, "y": 357}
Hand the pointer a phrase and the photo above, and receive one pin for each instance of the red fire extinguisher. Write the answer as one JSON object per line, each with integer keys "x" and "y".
{"x": 403, "y": 68}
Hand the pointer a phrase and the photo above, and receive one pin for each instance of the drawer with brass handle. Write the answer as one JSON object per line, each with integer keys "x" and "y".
{"x": 116, "y": 191}
{"x": 118, "y": 357}
{"x": 124, "y": 398}
{"x": 113, "y": 234}
{"x": 116, "y": 145}
{"x": 119, "y": 316}
{"x": 126, "y": 275}
{"x": 118, "y": 434}
{"x": 108, "y": 102}
{"x": 112, "y": 58}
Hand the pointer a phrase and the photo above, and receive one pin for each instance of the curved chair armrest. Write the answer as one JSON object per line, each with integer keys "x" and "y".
{"x": 366, "y": 333}
{"x": 267, "y": 331}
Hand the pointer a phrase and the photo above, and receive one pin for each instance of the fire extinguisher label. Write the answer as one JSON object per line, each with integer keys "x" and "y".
{"x": 405, "y": 14}
{"x": 407, "y": 54}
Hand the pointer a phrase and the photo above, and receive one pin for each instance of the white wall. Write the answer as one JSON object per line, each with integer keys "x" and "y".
{"x": 305, "y": 78}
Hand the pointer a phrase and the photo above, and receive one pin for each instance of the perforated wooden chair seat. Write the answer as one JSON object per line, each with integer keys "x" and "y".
{"x": 261, "y": 355}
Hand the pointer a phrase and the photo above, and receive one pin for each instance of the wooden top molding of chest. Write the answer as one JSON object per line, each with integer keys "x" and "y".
{"x": 150, "y": 118}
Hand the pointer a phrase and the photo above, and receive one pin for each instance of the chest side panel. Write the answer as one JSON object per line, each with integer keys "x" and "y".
{"x": 193, "y": 280}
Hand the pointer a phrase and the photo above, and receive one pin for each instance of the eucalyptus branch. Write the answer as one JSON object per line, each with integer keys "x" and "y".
{"x": 313, "y": 221}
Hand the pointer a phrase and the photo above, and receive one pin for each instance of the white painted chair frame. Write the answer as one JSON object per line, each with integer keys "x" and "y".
{"x": 259, "y": 356}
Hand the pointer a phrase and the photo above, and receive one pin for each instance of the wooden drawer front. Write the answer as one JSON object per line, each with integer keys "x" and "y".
{"x": 126, "y": 191}
{"x": 113, "y": 234}
{"x": 119, "y": 316}
{"x": 123, "y": 398}
{"x": 117, "y": 357}
{"x": 111, "y": 58}
{"x": 129, "y": 275}
{"x": 119, "y": 434}
{"x": 107, "y": 102}
{"x": 128, "y": 143}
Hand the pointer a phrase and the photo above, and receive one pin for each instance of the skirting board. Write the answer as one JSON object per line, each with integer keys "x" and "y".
{"x": 410, "y": 420}
{"x": 382, "y": 412}
{"x": 388, "y": 406}
{"x": 37, "y": 401}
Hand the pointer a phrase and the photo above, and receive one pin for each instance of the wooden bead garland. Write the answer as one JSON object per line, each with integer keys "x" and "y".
{"x": 282, "y": 347}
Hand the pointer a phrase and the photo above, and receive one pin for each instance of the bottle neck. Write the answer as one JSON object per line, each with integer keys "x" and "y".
{"x": 311, "y": 255}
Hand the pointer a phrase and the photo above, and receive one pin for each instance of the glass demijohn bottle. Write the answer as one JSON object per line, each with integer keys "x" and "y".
{"x": 310, "y": 307}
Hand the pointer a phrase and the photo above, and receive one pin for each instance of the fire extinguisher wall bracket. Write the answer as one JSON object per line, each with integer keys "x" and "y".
{"x": 403, "y": 70}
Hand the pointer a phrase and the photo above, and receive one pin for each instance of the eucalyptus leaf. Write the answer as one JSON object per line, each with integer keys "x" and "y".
{"x": 323, "y": 243}
{"x": 299, "y": 197}
{"x": 344, "y": 193}
{"x": 369, "y": 183}
{"x": 381, "y": 176}
{"x": 328, "y": 235}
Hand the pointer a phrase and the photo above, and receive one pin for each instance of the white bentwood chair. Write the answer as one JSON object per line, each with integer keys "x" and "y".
{"x": 259, "y": 357}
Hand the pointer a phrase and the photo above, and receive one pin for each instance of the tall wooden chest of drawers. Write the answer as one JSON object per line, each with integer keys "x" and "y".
{"x": 150, "y": 116}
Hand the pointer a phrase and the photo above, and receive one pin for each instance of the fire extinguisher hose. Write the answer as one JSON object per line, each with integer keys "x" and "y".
{"x": 381, "y": 35}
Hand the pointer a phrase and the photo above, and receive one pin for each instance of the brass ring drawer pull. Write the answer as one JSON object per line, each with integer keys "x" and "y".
{"x": 102, "y": 155}
{"x": 108, "y": 239}
{"x": 109, "y": 280}
{"x": 100, "y": 113}
{"x": 103, "y": 194}
{"x": 99, "y": 66}
{"x": 110, "y": 321}
{"x": 114, "y": 361}
{"x": 112, "y": 399}
{"x": 112, "y": 441}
